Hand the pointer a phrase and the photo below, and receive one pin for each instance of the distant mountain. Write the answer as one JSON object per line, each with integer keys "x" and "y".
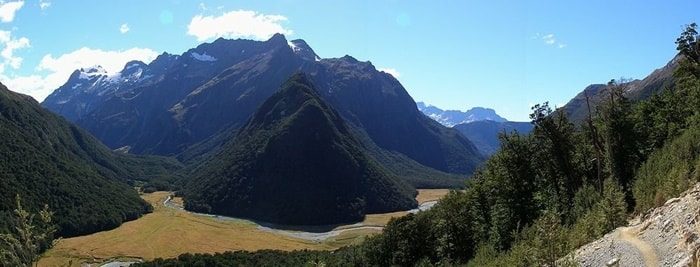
{"x": 187, "y": 105}
{"x": 296, "y": 162}
{"x": 484, "y": 133}
{"x": 451, "y": 118}
{"x": 48, "y": 160}
{"x": 577, "y": 108}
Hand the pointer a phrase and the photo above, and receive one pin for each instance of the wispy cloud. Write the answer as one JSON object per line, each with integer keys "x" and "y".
{"x": 391, "y": 71}
{"x": 237, "y": 24}
{"x": 124, "y": 28}
{"x": 8, "y": 10}
{"x": 550, "y": 39}
{"x": 43, "y": 4}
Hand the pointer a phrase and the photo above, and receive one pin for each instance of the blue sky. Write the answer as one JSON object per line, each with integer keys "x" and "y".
{"x": 505, "y": 55}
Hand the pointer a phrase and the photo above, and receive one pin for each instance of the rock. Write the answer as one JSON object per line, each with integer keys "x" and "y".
{"x": 673, "y": 200}
{"x": 683, "y": 263}
{"x": 613, "y": 262}
{"x": 666, "y": 225}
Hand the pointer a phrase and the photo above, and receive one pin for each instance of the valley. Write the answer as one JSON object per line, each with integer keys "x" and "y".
{"x": 242, "y": 150}
{"x": 168, "y": 232}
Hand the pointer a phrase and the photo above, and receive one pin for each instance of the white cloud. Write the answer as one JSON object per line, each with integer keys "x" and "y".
{"x": 8, "y": 51}
{"x": 24, "y": 84}
{"x": 58, "y": 69}
{"x": 124, "y": 28}
{"x": 44, "y": 4}
{"x": 237, "y": 24}
{"x": 7, "y": 10}
{"x": 391, "y": 71}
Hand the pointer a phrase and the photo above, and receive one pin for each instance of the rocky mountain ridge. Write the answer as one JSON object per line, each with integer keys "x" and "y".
{"x": 186, "y": 105}
{"x": 451, "y": 118}
{"x": 577, "y": 108}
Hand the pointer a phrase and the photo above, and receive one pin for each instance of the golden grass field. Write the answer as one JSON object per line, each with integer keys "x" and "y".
{"x": 167, "y": 233}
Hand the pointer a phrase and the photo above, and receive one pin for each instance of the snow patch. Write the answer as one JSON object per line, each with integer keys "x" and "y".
{"x": 114, "y": 78}
{"x": 91, "y": 72}
{"x": 203, "y": 57}
{"x": 293, "y": 46}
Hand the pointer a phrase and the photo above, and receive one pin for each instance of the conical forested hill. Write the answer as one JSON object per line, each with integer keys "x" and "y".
{"x": 296, "y": 162}
{"x": 47, "y": 160}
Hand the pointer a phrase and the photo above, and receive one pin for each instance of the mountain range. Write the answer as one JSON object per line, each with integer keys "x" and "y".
{"x": 179, "y": 103}
{"x": 348, "y": 134}
{"x": 451, "y": 118}
{"x": 480, "y": 125}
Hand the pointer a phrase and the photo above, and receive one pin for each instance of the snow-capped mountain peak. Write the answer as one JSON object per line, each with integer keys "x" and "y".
{"x": 301, "y": 48}
{"x": 91, "y": 72}
{"x": 451, "y": 118}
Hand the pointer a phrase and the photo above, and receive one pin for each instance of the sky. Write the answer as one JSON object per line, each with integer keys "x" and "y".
{"x": 453, "y": 54}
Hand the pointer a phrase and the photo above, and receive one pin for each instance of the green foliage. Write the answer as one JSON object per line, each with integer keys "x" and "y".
{"x": 688, "y": 46}
{"x": 259, "y": 258}
{"x": 29, "y": 238}
{"x": 621, "y": 142}
{"x": 46, "y": 159}
{"x": 554, "y": 159}
{"x": 669, "y": 171}
{"x": 612, "y": 208}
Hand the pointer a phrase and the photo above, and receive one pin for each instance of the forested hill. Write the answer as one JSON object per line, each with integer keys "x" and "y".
{"x": 47, "y": 160}
{"x": 545, "y": 194}
{"x": 296, "y": 162}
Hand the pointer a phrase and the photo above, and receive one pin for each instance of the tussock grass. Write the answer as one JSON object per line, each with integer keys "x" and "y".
{"x": 167, "y": 233}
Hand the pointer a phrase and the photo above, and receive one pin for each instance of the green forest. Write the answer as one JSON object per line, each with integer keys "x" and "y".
{"x": 543, "y": 194}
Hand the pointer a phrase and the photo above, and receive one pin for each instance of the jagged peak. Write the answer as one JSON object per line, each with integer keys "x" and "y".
{"x": 277, "y": 38}
{"x": 301, "y": 48}
{"x": 133, "y": 64}
{"x": 93, "y": 69}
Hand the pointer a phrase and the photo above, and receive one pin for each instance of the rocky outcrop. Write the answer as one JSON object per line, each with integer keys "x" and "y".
{"x": 663, "y": 236}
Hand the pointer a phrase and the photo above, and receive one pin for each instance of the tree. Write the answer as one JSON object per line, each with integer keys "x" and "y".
{"x": 687, "y": 74}
{"x": 611, "y": 209}
{"x": 688, "y": 46}
{"x": 553, "y": 155}
{"x": 621, "y": 141}
{"x": 31, "y": 236}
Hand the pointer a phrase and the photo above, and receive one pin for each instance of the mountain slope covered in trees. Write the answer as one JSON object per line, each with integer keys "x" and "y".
{"x": 296, "y": 162}
{"x": 48, "y": 160}
{"x": 484, "y": 134}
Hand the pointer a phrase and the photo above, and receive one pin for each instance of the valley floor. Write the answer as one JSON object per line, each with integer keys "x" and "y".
{"x": 664, "y": 236}
{"x": 169, "y": 232}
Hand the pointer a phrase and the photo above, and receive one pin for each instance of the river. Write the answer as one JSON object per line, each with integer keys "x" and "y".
{"x": 312, "y": 236}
